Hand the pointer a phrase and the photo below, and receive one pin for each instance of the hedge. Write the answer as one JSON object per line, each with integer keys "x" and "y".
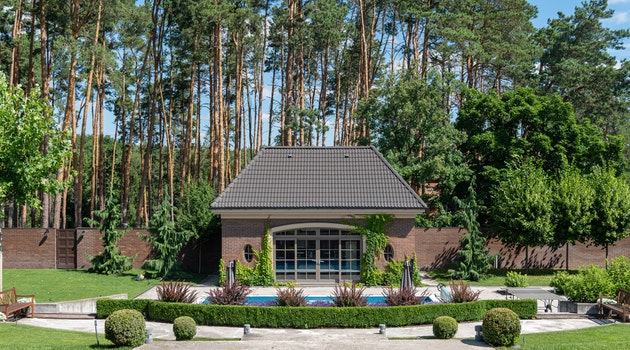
{"x": 320, "y": 317}
{"x": 105, "y": 307}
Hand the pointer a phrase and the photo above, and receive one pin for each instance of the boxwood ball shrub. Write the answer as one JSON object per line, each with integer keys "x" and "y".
{"x": 444, "y": 327}
{"x": 125, "y": 327}
{"x": 184, "y": 328}
{"x": 500, "y": 327}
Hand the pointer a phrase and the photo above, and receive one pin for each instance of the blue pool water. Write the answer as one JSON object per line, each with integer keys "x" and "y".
{"x": 318, "y": 300}
{"x": 262, "y": 299}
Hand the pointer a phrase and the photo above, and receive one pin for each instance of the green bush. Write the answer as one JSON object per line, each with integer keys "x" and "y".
{"x": 105, "y": 306}
{"x": 393, "y": 273}
{"x": 332, "y": 317}
{"x": 559, "y": 281}
{"x": 619, "y": 272}
{"x": 125, "y": 328}
{"x": 444, "y": 327}
{"x": 320, "y": 317}
{"x": 500, "y": 327}
{"x": 184, "y": 328}
{"x": 589, "y": 284}
{"x": 516, "y": 279}
{"x": 524, "y": 308}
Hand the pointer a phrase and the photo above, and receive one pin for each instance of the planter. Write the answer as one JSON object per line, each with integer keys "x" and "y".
{"x": 578, "y": 308}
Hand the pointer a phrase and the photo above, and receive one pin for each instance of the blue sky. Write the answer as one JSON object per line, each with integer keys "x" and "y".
{"x": 621, "y": 18}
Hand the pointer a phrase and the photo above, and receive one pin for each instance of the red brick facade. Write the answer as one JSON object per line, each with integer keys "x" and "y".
{"x": 434, "y": 247}
{"x": 31, "y": 248}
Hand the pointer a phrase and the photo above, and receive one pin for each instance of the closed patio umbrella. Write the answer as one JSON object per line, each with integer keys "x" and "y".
{"x": 230, "y": 275}
{"x": 407, "y": 281}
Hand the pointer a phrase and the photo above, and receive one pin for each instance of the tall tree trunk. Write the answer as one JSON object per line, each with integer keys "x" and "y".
{"x": 238, "y": 99}
{"x": 78, "y": 182}
{"x": 14, "y": 74}
{"x": 69, "y": 119}
{"x": 261, "y": 82}
{"x": 219, "y": 130}
{"x": 45, "y": 86}
{"x": 31, "y": 48}
{"x": 289, "y": 102}
{"x": 187, "y": 142}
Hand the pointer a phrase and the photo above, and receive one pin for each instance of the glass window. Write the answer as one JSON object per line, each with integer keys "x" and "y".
{"x": 388, "y": 253}
{"x": 248, "y": 252}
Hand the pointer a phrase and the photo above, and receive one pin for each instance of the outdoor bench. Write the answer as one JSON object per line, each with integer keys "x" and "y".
{"x": 11, "y": 302}
{"x": 619, "y": 306}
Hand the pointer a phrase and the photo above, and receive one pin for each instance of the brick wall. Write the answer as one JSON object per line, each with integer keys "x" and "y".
{"x": 130, "y": 245}
{"x": 435, "y": 247}
{"x": 28, "y": 248}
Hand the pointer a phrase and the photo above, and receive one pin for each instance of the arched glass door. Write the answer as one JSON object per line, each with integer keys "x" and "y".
{"x": 317, "y": 255}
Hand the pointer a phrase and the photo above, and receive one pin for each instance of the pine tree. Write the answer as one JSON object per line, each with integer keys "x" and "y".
{"x": 165, "y": 240}
{"x": 111, "y": 260}
{"x": 473, "y": 260}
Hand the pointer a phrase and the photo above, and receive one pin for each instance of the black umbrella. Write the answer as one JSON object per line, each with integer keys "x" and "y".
{"x": 407, "y": 281}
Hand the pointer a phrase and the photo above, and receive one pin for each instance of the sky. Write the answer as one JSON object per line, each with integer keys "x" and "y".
{"x": 621, "y": 18}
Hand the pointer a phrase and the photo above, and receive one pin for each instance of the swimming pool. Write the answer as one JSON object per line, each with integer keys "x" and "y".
{"x": 319, "y": 300}
{"x": 311, "y": 299}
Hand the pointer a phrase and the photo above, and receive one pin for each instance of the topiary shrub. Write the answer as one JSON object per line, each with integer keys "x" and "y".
{"x": 125, "y": 328}
{"x": 184, "y": 328}
{"x": 444, "y": 327}
{"x": 500, "y": 327}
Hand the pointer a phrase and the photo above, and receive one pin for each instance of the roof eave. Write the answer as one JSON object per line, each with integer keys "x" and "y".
{"x": 328, "y": 213}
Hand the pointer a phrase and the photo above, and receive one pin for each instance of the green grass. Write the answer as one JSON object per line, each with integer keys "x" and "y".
{"x": 612, "y": 337}
{"x": 535, "y": 277}
{"x": 18, "y": 337}
{"x": 49, "y": 285}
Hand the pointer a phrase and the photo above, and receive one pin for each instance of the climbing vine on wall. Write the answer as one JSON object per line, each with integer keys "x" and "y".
{"x": 374, "y": 228}
{"x": 262, "y": 273}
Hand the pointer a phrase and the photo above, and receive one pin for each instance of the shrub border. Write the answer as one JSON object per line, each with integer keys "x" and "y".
{"x": 315, "y": 317}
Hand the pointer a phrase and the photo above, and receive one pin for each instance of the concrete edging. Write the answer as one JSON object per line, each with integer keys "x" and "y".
{"x": 83, "y": 306}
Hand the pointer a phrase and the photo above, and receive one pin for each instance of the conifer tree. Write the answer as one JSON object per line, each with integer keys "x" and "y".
{"x": 473, "y": 261}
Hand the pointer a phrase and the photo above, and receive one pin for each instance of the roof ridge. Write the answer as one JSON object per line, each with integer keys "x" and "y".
{"x": 396, "y": 174}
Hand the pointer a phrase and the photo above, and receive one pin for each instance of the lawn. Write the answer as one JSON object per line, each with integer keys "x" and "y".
{"x": 49, "y": 285}
{"x": 19, "y": 336}
{"x": 535, "y": 277}
{"x": 612, "y": 337}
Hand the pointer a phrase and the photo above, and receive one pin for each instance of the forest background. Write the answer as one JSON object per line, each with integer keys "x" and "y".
{"x": 170, "y": 99}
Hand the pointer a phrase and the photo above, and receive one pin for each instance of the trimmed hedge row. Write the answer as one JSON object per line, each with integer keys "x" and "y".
{"x": 316, "y": 317}
{"x": 105, "y": 307}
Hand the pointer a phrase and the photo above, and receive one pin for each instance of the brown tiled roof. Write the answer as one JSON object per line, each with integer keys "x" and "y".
{"x": 318, "y": 178}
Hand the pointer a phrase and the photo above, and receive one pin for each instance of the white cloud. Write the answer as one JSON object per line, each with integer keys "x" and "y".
{"x": 620, "y": 18}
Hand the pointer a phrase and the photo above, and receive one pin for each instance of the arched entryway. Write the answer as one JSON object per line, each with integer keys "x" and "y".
{"x": 317, "y": 253}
